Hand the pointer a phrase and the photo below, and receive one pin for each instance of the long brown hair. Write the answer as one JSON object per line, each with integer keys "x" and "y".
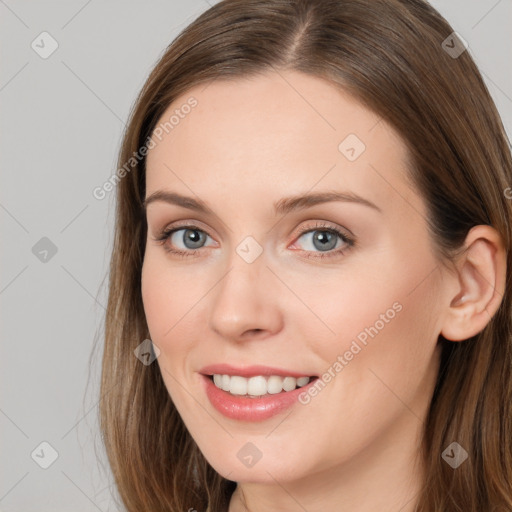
{"x": 390, "y": 55}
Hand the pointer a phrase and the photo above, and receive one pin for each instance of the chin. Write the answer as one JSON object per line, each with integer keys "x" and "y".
{"x": 264, "y": 470}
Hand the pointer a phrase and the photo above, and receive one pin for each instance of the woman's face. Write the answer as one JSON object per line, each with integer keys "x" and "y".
{"x": 268, "y": 288}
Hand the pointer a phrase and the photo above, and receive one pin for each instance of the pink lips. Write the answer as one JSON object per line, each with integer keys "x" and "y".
{"x": 244, "y": 408}
{"x": 250, "y": 371}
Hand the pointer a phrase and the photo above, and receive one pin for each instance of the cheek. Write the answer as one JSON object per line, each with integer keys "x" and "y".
{"x": 154, "y": 296}
{"x": 387, "y": 348}
{"x": 164, "y": 306}
{"x": 173, "y": 299}
{"x": 384, "y": 317}
{"x": 170, "y": 296}
{"x": 380, "y": 356}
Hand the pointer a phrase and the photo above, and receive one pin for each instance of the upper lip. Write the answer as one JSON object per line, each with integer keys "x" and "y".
{"x": 250, "y": 371}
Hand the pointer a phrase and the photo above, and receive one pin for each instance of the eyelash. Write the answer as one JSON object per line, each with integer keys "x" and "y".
{"x": 166, "y": 233}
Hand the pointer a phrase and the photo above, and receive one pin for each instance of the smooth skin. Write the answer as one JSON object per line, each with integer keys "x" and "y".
{"x": 247, "y": 144}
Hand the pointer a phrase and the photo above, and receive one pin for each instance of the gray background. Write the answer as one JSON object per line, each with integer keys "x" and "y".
{"x": 61, "y": 123}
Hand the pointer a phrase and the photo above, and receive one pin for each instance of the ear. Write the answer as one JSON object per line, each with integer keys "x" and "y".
{"x": 478, "y": 285}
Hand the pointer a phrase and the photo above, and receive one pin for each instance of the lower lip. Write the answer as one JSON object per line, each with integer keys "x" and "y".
{"x": 243, "y": 408}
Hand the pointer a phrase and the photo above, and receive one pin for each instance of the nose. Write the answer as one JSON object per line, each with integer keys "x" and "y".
{"x": 245, "y": 303}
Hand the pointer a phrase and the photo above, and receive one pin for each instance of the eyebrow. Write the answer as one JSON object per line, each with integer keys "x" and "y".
{"x": 283, "y": 206}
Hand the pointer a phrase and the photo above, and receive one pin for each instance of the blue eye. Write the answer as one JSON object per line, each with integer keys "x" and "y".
{"x": 192, "y": 238}
{"x": 322, "y": 238}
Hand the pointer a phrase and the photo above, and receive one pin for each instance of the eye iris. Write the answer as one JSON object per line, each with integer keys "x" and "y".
{"x": 194, "y": 236}
{"x": 326, "y": 239}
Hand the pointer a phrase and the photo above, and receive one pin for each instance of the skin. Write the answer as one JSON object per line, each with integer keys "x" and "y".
{"x": 247, "y": 144}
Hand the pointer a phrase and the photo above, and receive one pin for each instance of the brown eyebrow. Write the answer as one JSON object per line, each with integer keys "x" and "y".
{"x": 283, "y": 206}
{"x": 300, "y": 202}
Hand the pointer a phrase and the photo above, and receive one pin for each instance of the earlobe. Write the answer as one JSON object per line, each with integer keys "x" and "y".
{"x": 479, "y": 284}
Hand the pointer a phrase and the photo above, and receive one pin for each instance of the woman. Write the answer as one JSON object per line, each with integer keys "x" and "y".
{"x": 312, "y": 268}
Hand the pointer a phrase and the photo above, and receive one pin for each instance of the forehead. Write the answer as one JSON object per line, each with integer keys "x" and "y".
{"x": 271, "y": 135}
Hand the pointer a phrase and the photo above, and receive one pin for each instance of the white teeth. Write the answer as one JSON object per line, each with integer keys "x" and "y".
{"x": 289, "y": 383}
{"x": 274, "y": 385}
{"x": 225, "y": 382}
{"x": 258, "y": 385}
{"x": 238, "y": 385}
{"x": 302, "y": 381}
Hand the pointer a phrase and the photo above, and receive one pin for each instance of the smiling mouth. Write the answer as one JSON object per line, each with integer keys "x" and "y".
{"x": 258, "y": 385}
